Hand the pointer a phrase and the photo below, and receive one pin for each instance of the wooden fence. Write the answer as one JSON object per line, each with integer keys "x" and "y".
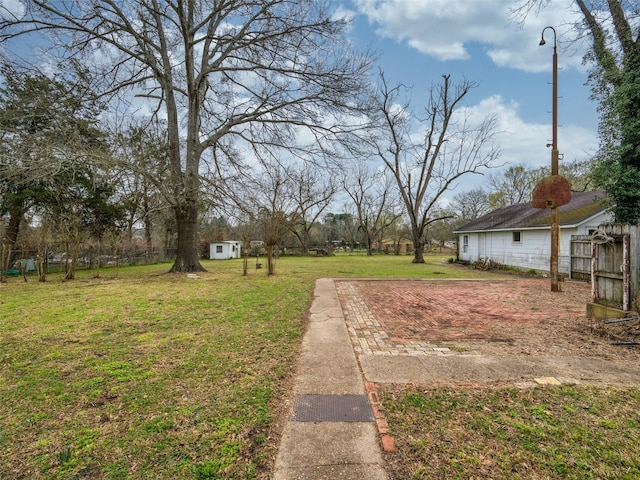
{"x": 581, "y": 257}
{"x": 613, "y": 253}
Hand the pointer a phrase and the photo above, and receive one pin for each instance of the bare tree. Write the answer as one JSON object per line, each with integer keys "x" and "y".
{"x": 578, "y": 173}
{"x": 471, "y": 204}
{"x": 251, "y": 72}
{"x": 312, "y": 191}
{"x": 140, "y": 174}
{"x": 372, "y": 197}
{"x": 516, "y": 184}
{"x": 450, "y": 146}
{"x": 246, "y": 230}
{"x": 512, "y": 186}
{"x": 273, "y": 202}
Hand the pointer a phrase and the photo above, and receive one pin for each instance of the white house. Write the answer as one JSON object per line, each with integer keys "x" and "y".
{"x": 520, "y": 235}
{"x": 224, "y": 250}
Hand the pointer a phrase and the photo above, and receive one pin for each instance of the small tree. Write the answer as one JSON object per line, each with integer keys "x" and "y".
{"x": 275, "y": 207}
{"x": 511, "y": 187}
{"x": 372, "y": 197}
{"x": 312, "y": 190}
{"x": 81, "y": 205}
{"x": 246, "y": 231}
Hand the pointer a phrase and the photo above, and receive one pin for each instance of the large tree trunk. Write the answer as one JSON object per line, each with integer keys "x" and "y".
{"x": 13, "y": 227}
{"x": 10, "y": 239}
{"x": 4, "y": 265}
{"x": 418, "y": 252}
{"x": 187, "y": 254}
{"x": 186, "y": 183}
{"x": 369, "y": 247}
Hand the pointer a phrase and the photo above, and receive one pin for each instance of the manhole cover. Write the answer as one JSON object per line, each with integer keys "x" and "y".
{"x": 332, "y": 408}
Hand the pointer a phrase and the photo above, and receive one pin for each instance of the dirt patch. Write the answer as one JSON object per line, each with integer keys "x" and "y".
{"x": 496, "y": 317}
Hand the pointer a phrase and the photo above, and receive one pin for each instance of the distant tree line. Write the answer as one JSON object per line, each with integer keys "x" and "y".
{"x": 69, "y": 180}
{"x": 175, "y": 124}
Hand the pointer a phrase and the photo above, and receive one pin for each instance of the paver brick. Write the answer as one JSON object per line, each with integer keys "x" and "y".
{"x": 411, "y": 317}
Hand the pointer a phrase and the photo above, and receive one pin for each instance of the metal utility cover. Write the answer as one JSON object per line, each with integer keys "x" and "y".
{"x": 332, "y": 408}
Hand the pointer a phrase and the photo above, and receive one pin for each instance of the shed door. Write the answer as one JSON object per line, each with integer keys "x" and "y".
{"x": 482, "y": 241}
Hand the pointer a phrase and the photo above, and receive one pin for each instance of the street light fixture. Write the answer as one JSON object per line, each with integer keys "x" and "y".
{"x": 555, "y": 225}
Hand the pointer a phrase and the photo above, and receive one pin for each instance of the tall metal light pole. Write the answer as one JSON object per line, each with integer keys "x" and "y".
{"x": 555, "y": 225}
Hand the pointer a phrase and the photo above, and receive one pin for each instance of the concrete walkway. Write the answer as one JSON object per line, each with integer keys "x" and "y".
{"x": 329, "y": 376}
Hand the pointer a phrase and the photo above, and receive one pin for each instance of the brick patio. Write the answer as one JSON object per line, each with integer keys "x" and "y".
{"x": 420, "y": 317}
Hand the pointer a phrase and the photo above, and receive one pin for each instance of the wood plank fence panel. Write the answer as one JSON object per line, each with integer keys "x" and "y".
{"x": 609, "y": 279}
{"x": 580, "y": 257}
{"x": 614, "y": 263}
{"x": 615, "y": 277}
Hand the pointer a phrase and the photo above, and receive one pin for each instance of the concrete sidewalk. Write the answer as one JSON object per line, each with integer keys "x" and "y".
{"x": 330, "y": 434}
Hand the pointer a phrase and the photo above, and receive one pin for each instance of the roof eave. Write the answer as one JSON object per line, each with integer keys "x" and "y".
{"x": 540, "y": 227}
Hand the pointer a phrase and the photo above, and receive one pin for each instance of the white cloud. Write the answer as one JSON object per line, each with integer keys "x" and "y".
{"x": 343, "y": 14}
{"x": 11, "y": 9}
{"x": 526, "y": 143}
{"x": 445, "y": 29}
{"x": 521, "y": 142}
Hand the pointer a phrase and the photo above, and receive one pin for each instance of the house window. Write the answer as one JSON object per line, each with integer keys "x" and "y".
{"x": 465, "y": 243}
{"x": 218, "y": 248}
{"x": 517, "y": 237}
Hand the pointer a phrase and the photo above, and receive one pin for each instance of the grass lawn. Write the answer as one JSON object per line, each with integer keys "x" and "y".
{"x": 149, "y": 375}
{"x": 564, "y": 432}
{"x": 144, "y": 375}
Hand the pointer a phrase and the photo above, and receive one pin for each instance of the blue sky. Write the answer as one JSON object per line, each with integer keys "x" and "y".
{"x": 420, "y": 40}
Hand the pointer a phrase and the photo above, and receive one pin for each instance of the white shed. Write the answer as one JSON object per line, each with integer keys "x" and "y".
{"x": 520, "y": 235}
{"x": 224, "y": 250}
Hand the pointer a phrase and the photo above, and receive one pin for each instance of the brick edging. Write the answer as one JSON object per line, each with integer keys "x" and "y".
{"x": 388, "y": 442}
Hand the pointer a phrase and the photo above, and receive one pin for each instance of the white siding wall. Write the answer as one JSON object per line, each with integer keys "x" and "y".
{"x": 533, "y": 250}
{"x": 229, "y": 250}
{"x": 594, "y": 223}
{"x": 468, "y": 251}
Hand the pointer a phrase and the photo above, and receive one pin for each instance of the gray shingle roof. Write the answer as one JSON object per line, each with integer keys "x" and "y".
{"x": 583, "y": 205}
